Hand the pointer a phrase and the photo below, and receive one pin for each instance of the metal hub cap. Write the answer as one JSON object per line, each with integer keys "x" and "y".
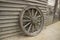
{"x": 31, "y": 21}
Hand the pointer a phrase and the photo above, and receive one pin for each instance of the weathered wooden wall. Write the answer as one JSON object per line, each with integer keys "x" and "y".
{"x": 9, "y": 15}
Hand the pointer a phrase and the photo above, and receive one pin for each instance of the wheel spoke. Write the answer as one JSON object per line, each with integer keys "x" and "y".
{"x": 26, "y": 20}
{"x": 29, "y": 28}
{"x": 36, "y": 13}
{"x": 27, "y": 24}
{"x": 26, "y": 17}
{"x": 33, "y": 28}
{"x": 29, "y": 13}
{"x": 38, "y": 21}
{"x": 32, "y": 12}
{"x": 39, "y": 24}
{"x": 38, "y": 16}
{"x": 36, "y": 27}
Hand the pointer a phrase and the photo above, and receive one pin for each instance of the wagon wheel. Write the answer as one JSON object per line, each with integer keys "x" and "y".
{"x": 31, "y": 21}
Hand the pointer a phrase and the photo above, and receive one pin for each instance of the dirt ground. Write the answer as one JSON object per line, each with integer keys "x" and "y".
{"x": 52, "y": 32}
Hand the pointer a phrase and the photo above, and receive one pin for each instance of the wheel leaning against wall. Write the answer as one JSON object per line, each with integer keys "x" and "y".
{"x": 31, "y": 21}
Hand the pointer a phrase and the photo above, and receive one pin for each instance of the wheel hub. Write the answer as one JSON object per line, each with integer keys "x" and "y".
{"x": 34, "y": 20}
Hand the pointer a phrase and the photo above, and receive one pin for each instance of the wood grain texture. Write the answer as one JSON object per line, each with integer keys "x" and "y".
{"x": 9, "y": 15}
